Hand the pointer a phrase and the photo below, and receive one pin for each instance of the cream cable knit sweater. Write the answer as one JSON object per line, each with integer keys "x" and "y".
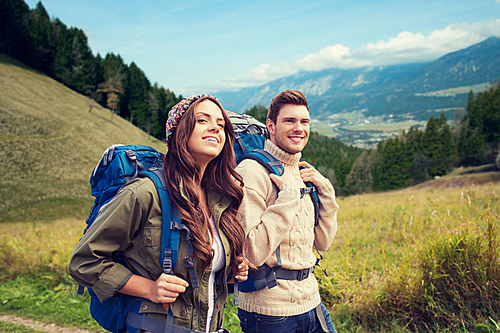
{"x": 272, "y": 218}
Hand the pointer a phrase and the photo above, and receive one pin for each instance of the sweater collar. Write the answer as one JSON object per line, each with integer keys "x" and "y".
{"x": 284, "y": 157}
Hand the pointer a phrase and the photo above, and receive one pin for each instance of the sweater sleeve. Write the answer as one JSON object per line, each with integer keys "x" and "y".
{"x": 326, "y": 229}
{"x": 265, "y": 223}
{"x": 92, "y": 263}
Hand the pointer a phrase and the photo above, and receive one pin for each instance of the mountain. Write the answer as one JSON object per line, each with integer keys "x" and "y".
{"x": 399, "y": 89}
{"x": 50, "y": 141}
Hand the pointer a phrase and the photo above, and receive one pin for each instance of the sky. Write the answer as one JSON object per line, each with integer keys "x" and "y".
{"x": 193, "y": 47}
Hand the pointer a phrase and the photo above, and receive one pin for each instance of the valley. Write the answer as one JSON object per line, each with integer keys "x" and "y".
{"x": 356, "y": 129}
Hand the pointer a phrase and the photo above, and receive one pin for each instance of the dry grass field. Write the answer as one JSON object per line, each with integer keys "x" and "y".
{"x": 50, "y": 142}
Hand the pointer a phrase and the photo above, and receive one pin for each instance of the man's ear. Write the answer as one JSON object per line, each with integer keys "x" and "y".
{"x": 270, "y": 126}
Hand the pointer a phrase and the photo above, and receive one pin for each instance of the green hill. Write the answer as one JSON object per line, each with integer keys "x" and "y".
{"x": 50, "y": 140}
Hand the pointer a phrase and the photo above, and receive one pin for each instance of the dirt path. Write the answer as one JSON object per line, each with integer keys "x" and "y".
{"x": 39, "y": 325}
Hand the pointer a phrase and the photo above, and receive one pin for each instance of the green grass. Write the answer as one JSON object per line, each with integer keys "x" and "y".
{"x": 395, "y": 264}
{"x": 455, "y": 91}
{"x": 324, "y": 130}
{"x": 388, "y": 128}
{"x": 376, "y": 263}
{"x": 16, "y": 328}
{"x": 49, "y": 298}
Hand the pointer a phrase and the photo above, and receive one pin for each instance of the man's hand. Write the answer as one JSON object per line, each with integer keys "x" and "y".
{"x": 310, "y": 174}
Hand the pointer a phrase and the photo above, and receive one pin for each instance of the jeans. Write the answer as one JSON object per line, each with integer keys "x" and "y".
{"x": 308, "y": 322}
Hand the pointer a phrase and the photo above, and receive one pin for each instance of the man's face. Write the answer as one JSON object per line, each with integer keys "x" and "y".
{"x": 291, "y": 130}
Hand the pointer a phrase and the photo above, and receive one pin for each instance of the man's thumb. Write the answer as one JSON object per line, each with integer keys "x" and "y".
{"x": 274, "y": 178}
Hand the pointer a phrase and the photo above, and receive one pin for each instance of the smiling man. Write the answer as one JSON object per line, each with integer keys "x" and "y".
{"x": 276, "y": 214}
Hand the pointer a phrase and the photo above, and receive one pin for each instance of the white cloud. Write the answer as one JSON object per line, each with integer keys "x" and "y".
{"x": 406, "y": 47}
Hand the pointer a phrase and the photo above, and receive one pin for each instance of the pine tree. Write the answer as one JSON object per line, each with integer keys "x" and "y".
{"x": 62, "y": 56}
{"x": 15, "y": 38}
{"x": 359, "y": 179}
{"x": 113, "y": 76}
{"x": 439, "y": 146}
{"x": 259, "y": 112}
{"x": 41, "y": 30}
{"x": 395, "y": 165}
{"x": 420, "y": 162}
{"x": 471, "y": 147}
{"x": 137, "y": 91}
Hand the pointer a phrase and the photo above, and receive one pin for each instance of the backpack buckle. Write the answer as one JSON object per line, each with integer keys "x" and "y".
{"x": 167, "y": 266}
{"x": 303, "y": 274}
{"x": 188, "y": 262}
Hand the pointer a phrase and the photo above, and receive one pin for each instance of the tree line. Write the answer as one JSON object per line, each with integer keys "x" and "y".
{"x": 63, "y": 53}
{"x": 416, "y": 156}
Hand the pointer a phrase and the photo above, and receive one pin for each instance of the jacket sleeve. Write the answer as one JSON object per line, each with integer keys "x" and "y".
{"x": 265, "y": 223}
{"x": 325, "y": 231}
{"x": 91, "y": 263}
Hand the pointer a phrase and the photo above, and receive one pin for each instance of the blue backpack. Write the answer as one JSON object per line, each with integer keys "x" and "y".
{"x": 119, "y": 165}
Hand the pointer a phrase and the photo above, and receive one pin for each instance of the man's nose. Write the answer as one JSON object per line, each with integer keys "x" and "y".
{"x": 297, "y": 127}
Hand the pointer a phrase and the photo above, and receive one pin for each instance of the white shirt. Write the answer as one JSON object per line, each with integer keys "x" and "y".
{"x": 218, "y": 263}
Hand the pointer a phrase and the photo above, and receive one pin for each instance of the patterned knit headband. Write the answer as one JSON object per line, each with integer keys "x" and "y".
{"x": 175, "y": 114}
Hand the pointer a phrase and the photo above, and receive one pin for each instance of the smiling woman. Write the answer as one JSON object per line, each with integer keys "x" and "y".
{"x": 205, "y": 192}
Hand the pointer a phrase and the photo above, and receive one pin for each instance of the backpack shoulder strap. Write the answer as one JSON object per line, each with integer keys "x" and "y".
{"x": 168, "y": 255}
{"x": 171, "y": 227}
{"x": 265, "y": 159}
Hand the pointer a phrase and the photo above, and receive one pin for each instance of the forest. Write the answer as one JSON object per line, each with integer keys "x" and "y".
{"x": 416, "y": 156}
{"x": 64, "y": 54}
{"x": 413, "y": 157}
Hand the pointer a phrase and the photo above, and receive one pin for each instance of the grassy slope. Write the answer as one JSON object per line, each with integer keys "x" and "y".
{"x": 40, "y": 118}
{"x": 49, "y": 143}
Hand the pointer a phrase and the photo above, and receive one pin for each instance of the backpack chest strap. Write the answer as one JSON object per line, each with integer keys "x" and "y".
{"x": 307, "y": 190}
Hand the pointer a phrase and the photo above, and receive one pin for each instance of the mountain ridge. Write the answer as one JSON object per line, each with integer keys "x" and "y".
{"x": 379, "y": 90}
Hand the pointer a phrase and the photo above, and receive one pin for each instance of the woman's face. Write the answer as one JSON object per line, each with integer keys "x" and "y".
{"x": 208, "y": 136}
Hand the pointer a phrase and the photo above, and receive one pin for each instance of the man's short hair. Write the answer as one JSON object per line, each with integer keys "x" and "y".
{"x": 290, "y": 96}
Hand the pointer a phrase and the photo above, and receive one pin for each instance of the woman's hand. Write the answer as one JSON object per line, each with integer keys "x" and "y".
{"x": 242, "y": 273}
{"x": 166, "y": 289}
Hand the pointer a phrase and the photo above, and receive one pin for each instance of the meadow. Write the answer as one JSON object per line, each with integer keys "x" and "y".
{"x": 422, "y": 259}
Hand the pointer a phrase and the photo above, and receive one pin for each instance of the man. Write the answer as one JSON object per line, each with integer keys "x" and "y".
{"x": 274, "y": 214}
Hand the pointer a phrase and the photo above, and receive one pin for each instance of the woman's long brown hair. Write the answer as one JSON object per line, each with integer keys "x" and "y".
{"x": 180, "y": 166}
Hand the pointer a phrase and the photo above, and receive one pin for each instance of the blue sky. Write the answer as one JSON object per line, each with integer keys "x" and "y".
{"x": 195, "y": 47}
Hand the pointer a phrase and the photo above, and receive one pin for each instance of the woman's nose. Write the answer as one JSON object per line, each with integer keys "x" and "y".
{"x": 214, "y": 126}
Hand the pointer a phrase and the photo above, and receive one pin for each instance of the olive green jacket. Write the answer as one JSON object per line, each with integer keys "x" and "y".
{"x": 130, "y": 226}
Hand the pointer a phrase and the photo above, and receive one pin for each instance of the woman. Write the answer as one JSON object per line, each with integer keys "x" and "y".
{"x": 206, "y": 192}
